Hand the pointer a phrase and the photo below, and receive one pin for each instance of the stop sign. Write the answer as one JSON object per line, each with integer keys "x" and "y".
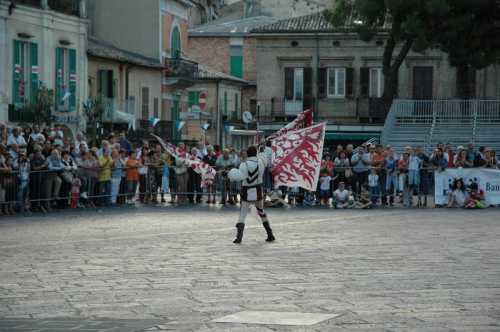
{"x": 203, "y": 101}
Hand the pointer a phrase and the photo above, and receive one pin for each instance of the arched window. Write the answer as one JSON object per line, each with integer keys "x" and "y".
{"x": 175, "y": 43}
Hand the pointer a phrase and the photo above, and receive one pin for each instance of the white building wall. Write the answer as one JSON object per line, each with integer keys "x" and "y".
{"x": 4, "y": 100}
{"x": 47, "y": 29}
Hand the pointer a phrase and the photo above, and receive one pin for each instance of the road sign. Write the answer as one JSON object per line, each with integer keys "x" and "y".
{"x": 247, "y": 117}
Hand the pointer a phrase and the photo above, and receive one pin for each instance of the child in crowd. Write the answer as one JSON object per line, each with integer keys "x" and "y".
{"x": 391, "y": 181}
{"x": 24, "y": 180}
{"x": 458, "y": 194}
{"x": 414, "y": 165}
{"x": 476, "y": 197}
{"x": 325, "y": 188}
{"x": 403, "y": 175}
{"x": 374, "y": 185}
{"x": 364, "y": 199}
{"x": 343, "y": 199}
{"x": 132, "y": 166}
{"x": 75, "y": 192}
{"x": 309, "y": 198}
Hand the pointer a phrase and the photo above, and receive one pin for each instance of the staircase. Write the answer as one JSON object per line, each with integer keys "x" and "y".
{"x": 429, "y": 122}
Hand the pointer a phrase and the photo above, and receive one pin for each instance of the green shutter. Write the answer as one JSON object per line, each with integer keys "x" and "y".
{"x": 16, "y": 99}
{"x": 59, "y": 74}
{"x": 176, "y": 43}
{"x": 237, "y": 66}
{"x": 193, "y": 98}
{"x": 34, "y": 71}
{"x": 72, "y": 80}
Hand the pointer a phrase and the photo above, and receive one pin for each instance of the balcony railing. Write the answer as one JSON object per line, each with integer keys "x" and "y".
{"x": 180, "y": 68}
{"x": 113, "y": 107}
{"x": 68, "y": 7}
{"x": 360, "y": 110}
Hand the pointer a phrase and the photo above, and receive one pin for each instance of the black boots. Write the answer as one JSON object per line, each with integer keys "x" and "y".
{"x": 239, "y": 236}
{"x": 270, "y": 236}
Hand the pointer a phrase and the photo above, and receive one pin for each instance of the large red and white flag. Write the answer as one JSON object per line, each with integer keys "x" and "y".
{"x": 303, "y": 120}
{"x": 297, "y": 157}
{"x": 206, "y": 171}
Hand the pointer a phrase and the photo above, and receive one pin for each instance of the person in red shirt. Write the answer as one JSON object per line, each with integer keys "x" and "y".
{"x": 450, "y": 155}
{"x": 327, "y": 165}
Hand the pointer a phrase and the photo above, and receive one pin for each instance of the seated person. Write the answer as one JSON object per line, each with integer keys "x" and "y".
{"x": 458, "y": 195}
{"x": 476, "y": 198}
{"x": 275, "y": 199}
{"x": 342, "y": 196}
{"x": 293, "y": 195}
{"x": 309, "y": 198}
{"x": 364, "y": 199}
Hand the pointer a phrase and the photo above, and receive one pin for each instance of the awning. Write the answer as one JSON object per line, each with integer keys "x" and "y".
{"x": 241, "y": 132}
{"x": 351, "y": 136}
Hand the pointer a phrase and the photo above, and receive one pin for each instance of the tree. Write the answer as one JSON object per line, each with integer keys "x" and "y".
{"x": 42, "y": 108}
{"x": 465, "y": 29}
{"x": 94, "y": 111}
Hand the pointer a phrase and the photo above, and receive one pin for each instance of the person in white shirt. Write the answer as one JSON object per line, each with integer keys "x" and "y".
{"x": 374, "y": 185}
{"x": 414, "y": 165}
{"x": 458, "y": 194}
{"x": 252, "y": 173}
{"x": 36, "y": 136}
{"x": 324, "y": 188}
{"x": 342, "y": 197}
{"x": 15, "y": 138}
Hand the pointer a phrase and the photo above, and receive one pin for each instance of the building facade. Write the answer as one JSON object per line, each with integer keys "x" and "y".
{"x": 125, "y": 83}
{"x": 229, "y": 48}
{"x": 303, "y": 62}
{"x": 43, "y": 43}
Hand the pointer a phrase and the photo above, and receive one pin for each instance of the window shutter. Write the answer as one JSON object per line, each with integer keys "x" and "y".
{"x": 17, "y": 72}
{"x": 365, "y": 82}
{"x": 308, "y": 88}
{"x": 237, "y": 66}
{"x": 73, "y": 79}
{"x": 59, "y": 74}
{"x": 289, "y": 75}
{"x": 322, "y": 82}
{"x": 110, "y": 84}
{"x": 100, "y": 83}
{"x": 34, "y": 71}
{"x": 349, "y": 85}
{"x": 193, "y": 98}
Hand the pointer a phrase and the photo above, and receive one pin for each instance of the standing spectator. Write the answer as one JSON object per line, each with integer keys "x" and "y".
{"x": 461, "y": 160}
{"x": 36, "y": 137}
{"x": 89, "y": 168}
{"x": 68, "y": 175}
{"x": 224, "y": 164}
{"x": 449, "y": 155}
{"x": 23, "y": 173}
{"x": 105, "y": 166}
{"x": 327, "y": 165}
{"x": 471, "y": 154}
{"x": 491, "y": 158}
{"x": 378, "y": 161}
{"x": 39, "y": 167}
{"x": 438, "y": 160}
{"x": 7, "y": 185}
{"x": 132, "y": 170}
{"x": 373, "y": 183}
{"x": 403, "y": 164}
{"x": 391, "y": 182}
{"x": 53, "y": 182}
{"x": 414, "y": 166}
{"x": 336, "y": 153}
{"x": 425, "y": 176}
{"x": 80, "y": 143}
{"x": 211, "y": 160}
{"x": 349, "y": 150}
{"x": 480, "y": 160}
{"x": 342, "y": 170}
{"x": 143, "y": 175}
{"x": 360, "y": 163}
{"x": 325, "y": 187}
{"x": 194, "y": 181}
{"x": 124, "y": 143}
{"x": 182, "y": 178}
{"x": 116, "y": 175}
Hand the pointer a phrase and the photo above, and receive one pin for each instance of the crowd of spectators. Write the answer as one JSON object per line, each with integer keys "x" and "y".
{"x": 45, "y": 169}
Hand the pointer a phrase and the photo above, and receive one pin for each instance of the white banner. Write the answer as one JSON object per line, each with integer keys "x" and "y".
{"x": 487, "y": 179}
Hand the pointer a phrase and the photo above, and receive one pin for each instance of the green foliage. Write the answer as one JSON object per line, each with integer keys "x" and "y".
{"x": 43, "y": 105}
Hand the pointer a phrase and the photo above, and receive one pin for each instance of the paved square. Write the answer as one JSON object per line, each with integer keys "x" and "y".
{"x": 176, "y": 269}
{"x": 274, "y": 318}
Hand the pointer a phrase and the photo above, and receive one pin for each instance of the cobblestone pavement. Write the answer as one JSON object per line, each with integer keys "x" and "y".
{"x": 156, "y": 269}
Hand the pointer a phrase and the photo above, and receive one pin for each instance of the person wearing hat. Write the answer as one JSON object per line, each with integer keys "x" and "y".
{"x": 252, "y": 174}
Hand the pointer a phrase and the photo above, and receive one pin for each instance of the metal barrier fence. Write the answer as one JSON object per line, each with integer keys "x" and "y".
{"x": 46, "y": 190}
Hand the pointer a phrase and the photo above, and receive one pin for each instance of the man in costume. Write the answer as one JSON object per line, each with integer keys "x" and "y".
{"x": 252, "y": 173}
